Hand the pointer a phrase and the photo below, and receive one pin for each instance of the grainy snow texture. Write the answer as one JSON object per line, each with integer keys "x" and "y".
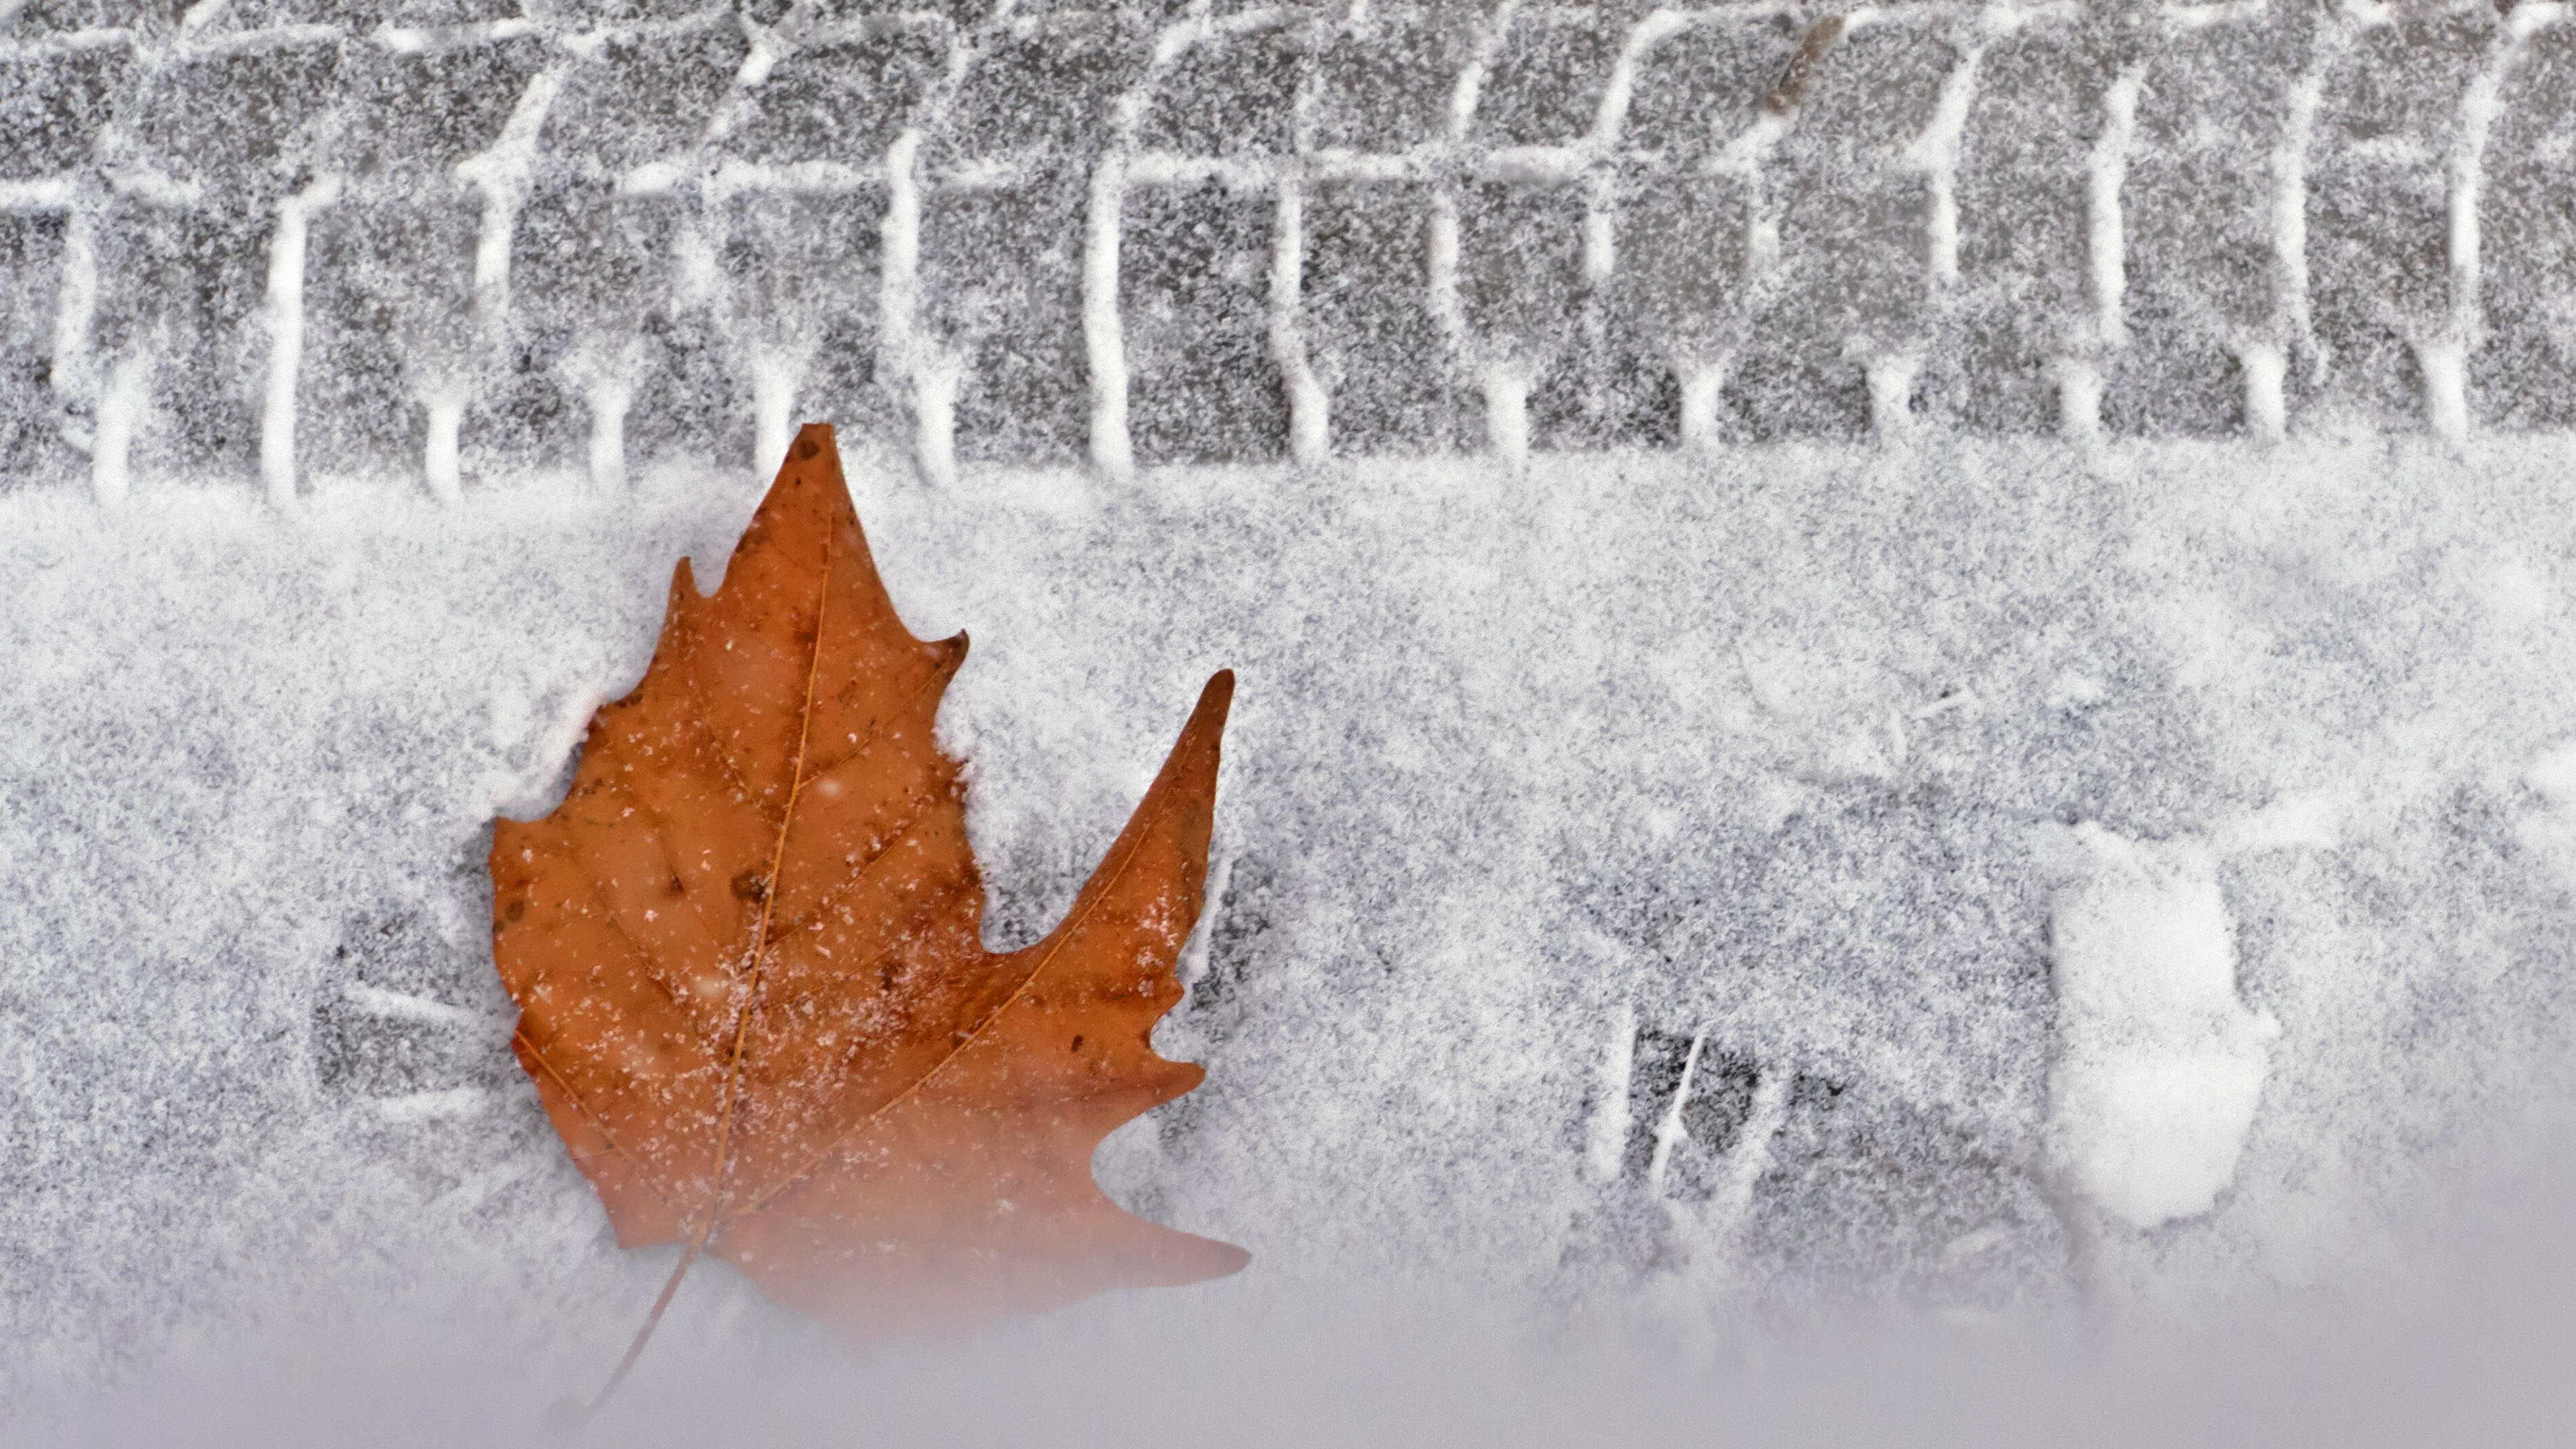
{"x": 1906, "y": 661}
{"x": 1639, "y": 875}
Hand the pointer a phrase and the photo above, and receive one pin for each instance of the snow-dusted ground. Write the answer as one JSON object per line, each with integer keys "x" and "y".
{"x": 1909, "y": 663}
{"x": 1673, "y": 902}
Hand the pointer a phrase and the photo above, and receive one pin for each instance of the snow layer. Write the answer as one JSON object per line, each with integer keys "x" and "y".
{"x": 1630, "y": 902}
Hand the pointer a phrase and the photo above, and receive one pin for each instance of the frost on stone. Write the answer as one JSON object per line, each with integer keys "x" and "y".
{"x": 461, "y": 246}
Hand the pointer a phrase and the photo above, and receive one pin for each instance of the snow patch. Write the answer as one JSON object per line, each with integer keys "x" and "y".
{"x": 2159, "y": 1066}
{"x": 2308, "y": 821}
{"x": 2553, "y": 775}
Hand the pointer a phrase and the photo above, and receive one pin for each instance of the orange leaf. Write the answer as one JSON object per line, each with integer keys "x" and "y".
{"x": 754, "y": 995}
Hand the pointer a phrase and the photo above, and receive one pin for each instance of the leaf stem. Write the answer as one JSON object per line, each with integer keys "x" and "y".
{"x": 653, "y": 1320}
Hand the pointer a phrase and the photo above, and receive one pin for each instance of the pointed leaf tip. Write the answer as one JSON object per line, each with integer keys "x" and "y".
{"x": 1219, "y": 694}
{"x": 813, "y": 440}
{"x": 1216, "y": 701}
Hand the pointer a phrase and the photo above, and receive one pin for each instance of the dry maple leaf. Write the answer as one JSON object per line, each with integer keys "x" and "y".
{"x": 753, "y": 990}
